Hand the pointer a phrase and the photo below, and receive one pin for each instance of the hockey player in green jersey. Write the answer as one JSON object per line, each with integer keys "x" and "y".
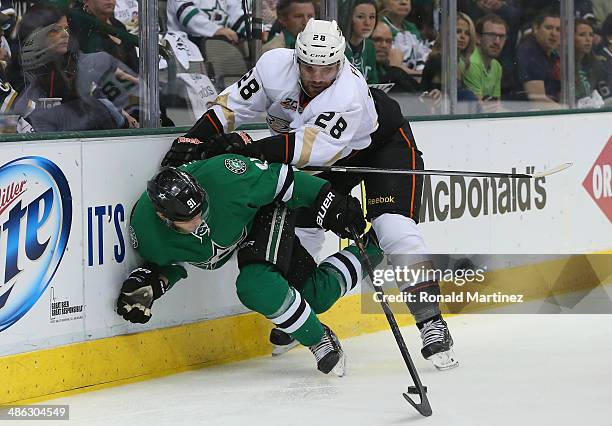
{"x": 202, "y": 212}
{"x": 320, "y": 111}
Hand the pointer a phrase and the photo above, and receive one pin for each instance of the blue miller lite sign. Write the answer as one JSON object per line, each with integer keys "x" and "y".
{"x": 35, "y": 220}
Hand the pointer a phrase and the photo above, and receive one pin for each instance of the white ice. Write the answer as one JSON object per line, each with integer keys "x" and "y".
{"x": 516, "y": 369}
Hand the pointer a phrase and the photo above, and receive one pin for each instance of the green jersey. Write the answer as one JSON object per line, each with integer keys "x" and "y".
{"x": 237, "y": 187}
{"x": 363, "y": 57}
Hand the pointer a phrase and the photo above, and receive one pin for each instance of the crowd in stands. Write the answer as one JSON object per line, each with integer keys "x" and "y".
{"x": 508, "y": 51}
{"x": 73, "y": 64}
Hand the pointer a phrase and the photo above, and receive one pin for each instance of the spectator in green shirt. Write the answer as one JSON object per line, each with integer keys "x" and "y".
{"x": 484, "y": 74}
{"x": 358, "y": 19}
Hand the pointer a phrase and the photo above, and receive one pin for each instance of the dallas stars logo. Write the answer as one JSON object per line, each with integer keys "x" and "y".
{"x": 220, "y": 253}
{"x": 217, "y": 13}
{"x": 235, "y": 165}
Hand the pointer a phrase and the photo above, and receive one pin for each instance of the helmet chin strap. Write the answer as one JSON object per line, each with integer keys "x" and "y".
{"x": 304, "y": 88}
{"x": 302, "y": 84}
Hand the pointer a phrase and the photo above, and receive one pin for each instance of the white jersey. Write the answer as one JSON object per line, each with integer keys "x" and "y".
{"x": 204, "y": 17}
{"x": 336, "y": 122}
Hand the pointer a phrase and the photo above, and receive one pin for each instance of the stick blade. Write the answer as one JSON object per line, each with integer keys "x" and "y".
{"x": 552, "y": 171}
{"x": 423, "y": 407}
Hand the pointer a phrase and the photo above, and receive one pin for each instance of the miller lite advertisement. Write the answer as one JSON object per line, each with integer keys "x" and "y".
{"x": 37, "y": 211}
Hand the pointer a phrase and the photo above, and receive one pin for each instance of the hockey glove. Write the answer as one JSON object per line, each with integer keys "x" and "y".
{"x": 226, "y": 143}
{"x": 184, "y": 150}
{"x": 138, "y": 292}
{"x": 339, "y": 213}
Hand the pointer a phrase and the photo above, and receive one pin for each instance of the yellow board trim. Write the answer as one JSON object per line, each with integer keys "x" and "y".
{"x": 51, "y": 373}
{"x": 80, "y": 367}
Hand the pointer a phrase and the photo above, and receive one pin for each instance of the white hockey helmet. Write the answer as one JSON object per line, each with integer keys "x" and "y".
{"x": 320, "y": 43}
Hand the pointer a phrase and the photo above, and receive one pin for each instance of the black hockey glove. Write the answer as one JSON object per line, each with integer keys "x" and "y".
{"x": 138, "y": 292}
{"x": 184, "y": 150}
{"x": 226, "y": 143}
{"x": 339, "y": 213}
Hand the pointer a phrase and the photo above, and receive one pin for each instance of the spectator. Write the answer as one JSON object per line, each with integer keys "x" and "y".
{"x": 58, "y": 95}
{"x": 97, "y": 30}
{"x": 510, "y": 13}
{"x": 207, "y": 18}
{"x": 406, "y": 35}
{"x": 268, "y": 16}
{"x": 591, "y": 79}
{"x": 483, "y": 76}
{"x": 605, "y": 52}
{"x": 538, "y": 64}
{"x": 292, "y": 15}
{"x": 389, "y": 64}
{"x": 605, "y": 45}
{"x": 358, "y": 23}
{"x": 432, "y": 74}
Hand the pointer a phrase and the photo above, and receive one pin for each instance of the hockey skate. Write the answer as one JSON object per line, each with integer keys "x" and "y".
{"x": 329, "y": 353}
{"x": 281, "y": 341}
{"x": 438, "y": 344}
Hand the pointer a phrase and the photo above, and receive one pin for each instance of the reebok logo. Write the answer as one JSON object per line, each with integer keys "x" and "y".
{"x": 598, "y": 182}
{"x": 324, "y": 208}
{"x": 381, "y": 200}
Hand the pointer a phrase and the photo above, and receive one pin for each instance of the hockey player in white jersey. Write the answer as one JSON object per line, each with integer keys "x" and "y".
{"x": 320, "y": 112}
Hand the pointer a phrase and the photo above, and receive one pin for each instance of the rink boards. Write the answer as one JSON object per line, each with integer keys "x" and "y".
{"x": 65, "y": 245}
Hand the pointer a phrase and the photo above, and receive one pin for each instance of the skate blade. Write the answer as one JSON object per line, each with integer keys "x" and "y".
{"x": 281, "y": 349}
{"x": 340, "y": 367}
{"x": 444, "y": 360}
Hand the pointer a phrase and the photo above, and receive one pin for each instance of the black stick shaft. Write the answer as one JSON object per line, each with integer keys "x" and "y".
{"x": 353, "y": 169}
{"x": 389, "y": 314}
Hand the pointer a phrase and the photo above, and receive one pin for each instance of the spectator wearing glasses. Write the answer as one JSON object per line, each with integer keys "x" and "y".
{"x": 483, "y": 76}
{"x": 505, "y": 9}
{"x": 389, "y": 64}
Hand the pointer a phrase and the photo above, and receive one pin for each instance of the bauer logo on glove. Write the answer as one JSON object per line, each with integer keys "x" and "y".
{"x": 339, "y": 213}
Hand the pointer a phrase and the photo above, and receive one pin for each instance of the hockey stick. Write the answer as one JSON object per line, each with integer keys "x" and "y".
{"x": 422, "y": 407}
{"x": 353, "y": 169}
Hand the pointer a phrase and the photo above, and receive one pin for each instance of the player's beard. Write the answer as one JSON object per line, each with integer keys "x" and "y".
{"x": 314, "y": 90}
